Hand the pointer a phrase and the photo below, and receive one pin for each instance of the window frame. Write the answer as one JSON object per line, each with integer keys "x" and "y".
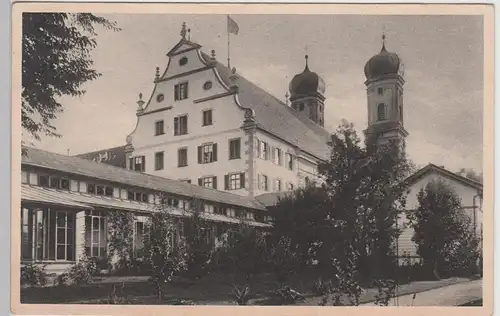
{"x": 181, "y": 91}
{"x": 181, "y": 125}
{"x": 237, "y": 151}
{"x": 209, "y": 121}
{"x": 159, "y": 131}
{"x": 179, "y": 160}
{"x": 159, "y": 160}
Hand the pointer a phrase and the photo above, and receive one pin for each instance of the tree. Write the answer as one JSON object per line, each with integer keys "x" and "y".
{"x": 55, "y": 62}
{"x": 442, "y": 231}
{"x": 471, "y": 174}
{"x": 165, "y": 252}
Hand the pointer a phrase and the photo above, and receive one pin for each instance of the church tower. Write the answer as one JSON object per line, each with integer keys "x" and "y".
{"x": 307, "y": 91}
{"x": 384, "y": 82}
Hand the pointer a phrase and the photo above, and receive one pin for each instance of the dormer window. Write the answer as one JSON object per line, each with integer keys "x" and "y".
{"x": 381, "y": 115}
{"x": 183, "y": 61}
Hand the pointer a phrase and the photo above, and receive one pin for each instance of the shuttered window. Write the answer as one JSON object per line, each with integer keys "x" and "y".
{"x": 207, "y": 153}
{"x": 234, "y": 181}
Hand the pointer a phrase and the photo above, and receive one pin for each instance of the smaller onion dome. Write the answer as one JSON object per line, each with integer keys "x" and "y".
{"x": 306, "y": 83}
{"x": 384, "y": 63}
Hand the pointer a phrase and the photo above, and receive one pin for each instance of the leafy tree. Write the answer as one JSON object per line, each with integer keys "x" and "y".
{"x": 165, "y": 252}
{"x": 471, "y": 174}
{"x": 442, "y": 231}
{"x": 120, "y": 240}
{"x": 55, "y": 62}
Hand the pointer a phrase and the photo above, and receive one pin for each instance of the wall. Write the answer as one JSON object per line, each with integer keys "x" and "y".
{"x": 392, "y": 94}
{"x": 466, "y": 193}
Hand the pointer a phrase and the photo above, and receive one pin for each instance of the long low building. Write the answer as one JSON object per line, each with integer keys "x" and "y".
{"x": 64, "y": 201}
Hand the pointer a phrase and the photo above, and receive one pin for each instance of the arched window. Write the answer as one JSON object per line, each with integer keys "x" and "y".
{"x": 381, "y": 112}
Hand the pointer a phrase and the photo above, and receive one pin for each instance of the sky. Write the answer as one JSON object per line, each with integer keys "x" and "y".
{"x": 443, "y": 58}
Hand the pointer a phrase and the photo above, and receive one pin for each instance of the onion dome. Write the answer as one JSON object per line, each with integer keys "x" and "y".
{"x": 307, "y": 83}
{"x": 384, "y": 63}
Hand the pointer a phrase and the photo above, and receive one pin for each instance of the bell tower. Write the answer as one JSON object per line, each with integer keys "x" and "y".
{"x": 307, "y": 91}
{"x": 384, "y": 87}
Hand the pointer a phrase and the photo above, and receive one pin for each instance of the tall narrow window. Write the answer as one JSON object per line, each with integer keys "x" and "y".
{"x": 263, "y": 183}
{"x": 289, "y": 186}
{"x": 277, "y": 185}
{"x": 289, "y": 161}
{"x": 264, "y": 150}
{"x": 138, "y": 163}
{"x": 65, "y": 249}
{"x": 380, "y": 91}
{"x": 235, "y": 148}
{"x": 207, "y": 117}
{"x": 159, "y": 158}
{"x": 381, "y": 112}
{"x": 277, "y": 156}
{"x": 159, "y": 128}
{"x": 181, "y": 91}
{"x": 182, "y": 157}
{"x": 95, "y": 234}
{"x": 180, "y": 125}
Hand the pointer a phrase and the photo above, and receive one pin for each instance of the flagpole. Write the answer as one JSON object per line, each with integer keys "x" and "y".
{"x": 228, "y": 43}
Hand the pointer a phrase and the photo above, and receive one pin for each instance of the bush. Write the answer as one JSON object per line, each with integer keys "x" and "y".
{"x": 181, "y": 301}
{"x": 83, "y": 271}
{"x": 285, "y": 295}
{"x": 386, "y": 291}
{"x": 33, "y": 275}
{"x": 321, "y": 287}
{"x": 117, "y": 297}
{"x": 241, "y": 294}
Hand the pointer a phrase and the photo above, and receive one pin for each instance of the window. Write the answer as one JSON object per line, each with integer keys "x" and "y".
{"x": 24, "y": 177}
{"x": 100, "y": 190}
{"x": 307, "y": 182}
{"x": 182, "y": 158}
{"x": 208, "y": 182}
{"x": 138, "y": 163}
{"x": 249, "y": 215}
{"x": 234, "y": 181}
{"x": 230, "y": 212}
{"x": 65, "y": 184}
{"x": 180, "y": 125}
{"x": 380, "y": 91}
{"x": 207, "y": 85}
{"x": 235, "y": 148}
{"x": 55, "y": 182}
{"x": 95, "y": 234}
{"x": 160, "y": 97}
{"x": 277, "y": 156}
{"x": 159, "y": 157}
{"x": 207, "y": 117}
{"x": 91, "y": 188}
{"x": 183, "y": 61}
{"x": 159, "y": 128}
{"x": 43, "y": 181}
{"x": 289, "y": 161}
{"x": 263, "y": 184}
{"x": 181, "y": 91}
{"x": 381, "y": 112}
{"x": 289, "y": 186}
{"x": 263, "y": 148}
{"x": 277, "y": 185}
{"x": 108, "y": 191}
{"x": 207, "y": 153}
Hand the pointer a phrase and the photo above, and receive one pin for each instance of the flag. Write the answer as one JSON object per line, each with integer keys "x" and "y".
{"x": 232, "y": 27}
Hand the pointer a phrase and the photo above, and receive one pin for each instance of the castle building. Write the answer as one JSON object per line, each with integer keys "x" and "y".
{"x": 207, "y": 133}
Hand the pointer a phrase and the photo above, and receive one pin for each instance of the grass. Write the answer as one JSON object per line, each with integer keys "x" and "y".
{"x": 213, "y": 289}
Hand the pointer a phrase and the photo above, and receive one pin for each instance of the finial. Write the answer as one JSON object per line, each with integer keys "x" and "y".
{"x": 140, "y": 102}
{"x": 383, "y": 42}
{"x": 233, "y": 70}
{"x": 307, "y": 64}
{"x": 189, "y": 34}
{"x": 286, "y": 98}
{"x": 157, "y": 75}
{"x": 183, "y": 30}
{"x": 213, "y": 53}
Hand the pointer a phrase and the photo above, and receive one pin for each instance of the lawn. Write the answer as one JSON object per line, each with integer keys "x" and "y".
{"x": 211, "y": 290}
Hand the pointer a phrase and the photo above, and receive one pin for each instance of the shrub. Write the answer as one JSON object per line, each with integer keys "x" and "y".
{"x": 321, "y": 287}
{"x": 285, "y": 295}
{"x": 241, "y": 294}
{"x": 385, "y": 291}
{"x": 116, "y": 297}
{"x": 83, "y": 271}
{"x": 181, "y": 301}
{"x": 33, "y": 275}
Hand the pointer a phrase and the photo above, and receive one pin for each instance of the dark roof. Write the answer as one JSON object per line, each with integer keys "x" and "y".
{"x": 112, "y": 156}
{"x": 432, "y": 167}
{"x": 80, "y": 166}
{"x": 277, "y": 118}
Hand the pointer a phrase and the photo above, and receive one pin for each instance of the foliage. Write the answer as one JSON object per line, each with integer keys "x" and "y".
{"x": 83, "y": 271}
{"x": 165, "y": 254}
{"x": 386, "y": 290}
{"x": 442, "y": 231}
{"x": 55, "y": 62}
{"x": 180, "y": 301}
{"x": 33, "y": 275}
{"x": 283, "y": 259}
{"x": 321, "y": 287}
{"x": 199, "y": 248}
{"x": 118, "y": 297}
{"x": 241, "y": 294}
{"x": 352, "y": 217}
{"x": 471, "y": 174}
{"x": 120, "y": 240}
{"x": 285, "y": 295}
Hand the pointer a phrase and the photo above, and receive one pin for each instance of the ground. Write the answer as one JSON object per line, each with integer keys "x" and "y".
{"x": 211, "y": 290}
